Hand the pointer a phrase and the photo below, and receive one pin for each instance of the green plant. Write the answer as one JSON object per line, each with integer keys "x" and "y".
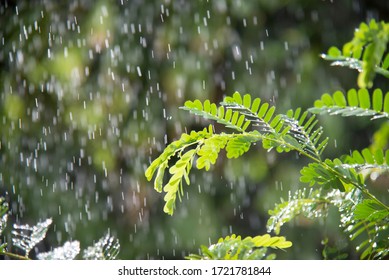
{"x": 26, "y": 237}
{"x": 235, "y": 248}
{"x": 365, "y": 52}
{"x": 340, "y": 182}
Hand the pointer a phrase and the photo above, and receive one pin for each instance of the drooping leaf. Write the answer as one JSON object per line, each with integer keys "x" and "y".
{"x": 209, "y": 151}
{"x": 365, "y": 52}
{"x": 238, "y": 145}
{"x": 174, "y": 187}
{"x": 162, "y": 161}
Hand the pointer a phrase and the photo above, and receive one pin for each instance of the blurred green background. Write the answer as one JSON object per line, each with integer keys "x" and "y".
{"x": 89, "y": 95}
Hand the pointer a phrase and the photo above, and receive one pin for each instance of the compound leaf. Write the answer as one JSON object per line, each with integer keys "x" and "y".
{"x": 358, "y": 103}
{"x": 235, "y": 248}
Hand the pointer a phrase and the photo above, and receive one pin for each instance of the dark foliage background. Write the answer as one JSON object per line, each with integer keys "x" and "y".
{"x": 89, "y": 95}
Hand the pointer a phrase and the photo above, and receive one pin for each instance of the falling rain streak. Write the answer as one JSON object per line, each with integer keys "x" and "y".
{"x": 90, "y": 94}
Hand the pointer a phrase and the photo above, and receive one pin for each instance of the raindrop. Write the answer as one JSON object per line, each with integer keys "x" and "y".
{"x": 261, "y": 45}
{"x": 139, "y": 71}
{"x": 236, "y": 53}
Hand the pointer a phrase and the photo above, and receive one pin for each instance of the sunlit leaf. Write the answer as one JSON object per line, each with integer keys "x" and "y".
{"x": 26, "y": 237}
{"x": 107, "y": 248}
{"x": 235, "y": 248}
{"x": 68, "y": 251}
{"x": 371, "y": 211}
{"x": 334, "y": 51}
{"x": 358, "y": 103}
{"x": 377, "y": 100}
{"x": 365, "y": 52}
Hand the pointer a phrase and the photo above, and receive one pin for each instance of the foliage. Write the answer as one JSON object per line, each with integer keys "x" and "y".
{"x": 311, "y": 205}
{"x": 26, "y": 237}
{"x": 339, "y": 182}
{"x": 3, "y": 214}
{"x": 81, "y": 111}
{"x": 355, "y": 103}
{"x": 365, "y": 52}
{"x": 66, "y": 252}
{"x": 281, "y": 132}
{"x": 107, "y": 248}
{"x": 235, "y": 248}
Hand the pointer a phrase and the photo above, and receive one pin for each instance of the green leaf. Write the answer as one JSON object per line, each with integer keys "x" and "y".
{"x": 235, "y": 248}
{"x": 160, "y": 163}
{"x": 237, "y": 98}
{"x": 364, "y": 99}
{"x": 255, "y": 105}
{"x": 247, "y": 100}
{"x": 208, "y": 110}
{"x": 158, "y": 182}
{"x": 352, "y": 98}
{"x": 325, "y": 174}
{"x": 269, "y": 114}
{"x": 366, "y": 162}
{"x": 234, "y": 118}
{"x": 367, "y": 156}
{"x": 371, "y": 211}
{"x": 365, "y": 52}
{"x": 237, "y": 146}
{"x": 174, "y": 187}
{"x": 301, "y": 135}
{"x": 327, "y": 99}
{"x": 334, "y": 51}
{"x": 385, "y": 63}
{"x": 209, "y": 151}
{"x": 277, "y": 242}
{"x": 263, "y": 110}
{"x": 339, "y": 98}
{"x": 379, "y": 157}
{"x": 377, "y": 100}
{"x": 358, "y": 104}
{"x": 207, "y": 106}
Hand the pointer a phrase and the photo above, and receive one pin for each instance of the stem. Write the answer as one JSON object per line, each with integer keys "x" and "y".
{"x": 318, "y": 160}
{"x": 361, "y": 188}
{"x": 376, "y": 200}
{"x": 14, "y": 256}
